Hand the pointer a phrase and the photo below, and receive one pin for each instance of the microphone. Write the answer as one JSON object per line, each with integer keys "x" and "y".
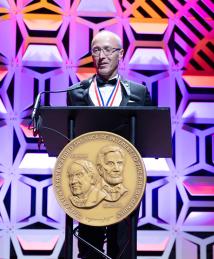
{"x": 36, "y": 106}
{"x": 35, "y": 119}
{"x": 34, "y": 115}
{"x": 38, "y": 100}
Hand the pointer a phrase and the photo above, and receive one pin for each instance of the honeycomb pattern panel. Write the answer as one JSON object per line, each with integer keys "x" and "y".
{"x": 168, "y": 45}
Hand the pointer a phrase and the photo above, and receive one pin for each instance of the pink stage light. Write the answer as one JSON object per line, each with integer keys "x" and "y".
{"x": 28, "y": 132}
{"x": 213, "y": 148}
{"x": 152, "y": 242}
{"x": 1, "y": 181}
{"x": 38, "y": 242}
{"x": 3, "y": 72}
{"x": 196, "y": 185}
{"x": 196, "y": 218}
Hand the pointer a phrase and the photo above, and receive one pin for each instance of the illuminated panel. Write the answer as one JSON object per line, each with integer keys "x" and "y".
{"x": 149, "y": 26}
{"x": 185, "y": 29}
{"x": 153, "y": 164}
{"x": 197, "y": 55}
{"x": 54, "y": 211}
{"x": 195, "y": 81}
{"x": 96, "y": 6}
{"x": 24, "y": 194}
{"x": 189, "y": 154}
{"x": 189, "y": 248}
{"x": 42, "y": 53}
{"x": 149, "y": 58}
{"x": 152, "y": 241}
{"x": 3, "y": 72}
{"x": 84, "y": 73}
{"x": 28, "y": 132}
{"x": 164, "y": 197}
{"x": 199, "y": 112}
{"x": 203, "y": 186}
{"x": 5, "y": 242}
{"x": 37, "y": 161}
{"x": 43, "y": 22}
{"x": 213, "y": 148}
{"x": 1, "y": 181}
{"x": 26, "y": 2}
{"x": 2, "y": 107}
{"x": 43, "y": 241}
{"x": 5, "y": 153}
{"x": 4, "y": 3}
{"x": 200, "y": 219}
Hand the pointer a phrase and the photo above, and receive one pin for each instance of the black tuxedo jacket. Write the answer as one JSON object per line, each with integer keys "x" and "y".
{"x": 133, "y": 94}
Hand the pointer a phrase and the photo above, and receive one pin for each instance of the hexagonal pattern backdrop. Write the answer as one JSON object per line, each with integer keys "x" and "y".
{"x": 169, "y": 45}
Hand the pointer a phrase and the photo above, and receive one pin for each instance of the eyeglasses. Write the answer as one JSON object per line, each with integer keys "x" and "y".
{"x": 106, "y": 50}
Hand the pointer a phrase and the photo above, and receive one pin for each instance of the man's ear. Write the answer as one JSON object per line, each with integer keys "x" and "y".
{"x": 121, "y": 52}
{"x": 93, "y": 180}
{"x": 99, "y": 170}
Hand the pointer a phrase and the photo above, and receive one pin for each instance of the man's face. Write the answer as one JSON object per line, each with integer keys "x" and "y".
{"x": 79, "y": 180}
{"x": 113, "y": 168}
{"x": 106, "y": 66}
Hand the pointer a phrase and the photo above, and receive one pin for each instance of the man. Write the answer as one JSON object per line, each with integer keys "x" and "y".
{"x": 110, "y": 165}
{"x": 83, "y": 177}
{"x": 107, "y": 88}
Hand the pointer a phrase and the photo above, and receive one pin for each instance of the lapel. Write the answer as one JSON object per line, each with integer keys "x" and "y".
{"x": 86, "y": 96}
{"x": 125, "y": 85}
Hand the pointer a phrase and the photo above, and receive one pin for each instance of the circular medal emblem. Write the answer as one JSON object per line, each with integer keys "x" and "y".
{"x": 99, "y": 178}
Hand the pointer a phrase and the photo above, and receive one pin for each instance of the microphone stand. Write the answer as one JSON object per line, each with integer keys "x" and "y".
{"x": 88, "y": 244}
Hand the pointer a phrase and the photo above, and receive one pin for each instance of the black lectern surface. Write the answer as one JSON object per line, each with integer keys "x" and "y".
{"x": 152, "y": 126}
{"x": 148, "y": 128}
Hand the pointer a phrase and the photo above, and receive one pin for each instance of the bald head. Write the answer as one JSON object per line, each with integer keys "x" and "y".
{"x": 107, "y": 35}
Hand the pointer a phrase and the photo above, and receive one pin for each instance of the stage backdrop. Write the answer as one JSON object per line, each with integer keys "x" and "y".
{"x": 45, "y": 45}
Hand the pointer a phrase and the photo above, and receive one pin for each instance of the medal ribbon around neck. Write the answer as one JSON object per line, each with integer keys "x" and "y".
{"x": 112, "y": 96}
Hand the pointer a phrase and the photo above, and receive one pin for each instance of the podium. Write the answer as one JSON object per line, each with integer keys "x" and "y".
{"x": 147, "y": 128}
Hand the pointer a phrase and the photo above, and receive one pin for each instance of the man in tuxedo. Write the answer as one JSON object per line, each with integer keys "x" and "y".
{"x": 108, "y": 88}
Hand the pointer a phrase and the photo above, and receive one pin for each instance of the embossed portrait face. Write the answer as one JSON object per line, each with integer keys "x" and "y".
{"x": 79, "y": 180}
{"x": 113, "y": 168}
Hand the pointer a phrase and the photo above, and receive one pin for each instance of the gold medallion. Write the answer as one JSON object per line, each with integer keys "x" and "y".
{"x": 99, "y": 178}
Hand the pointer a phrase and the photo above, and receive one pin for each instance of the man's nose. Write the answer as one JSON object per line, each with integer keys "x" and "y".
{"x": 102, "y": 55}
{"x": 74, "y": 179}
{"x": 116, "y": 166}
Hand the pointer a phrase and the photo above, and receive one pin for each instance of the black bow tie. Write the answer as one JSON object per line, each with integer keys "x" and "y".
{"x": 101, "y": 82}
